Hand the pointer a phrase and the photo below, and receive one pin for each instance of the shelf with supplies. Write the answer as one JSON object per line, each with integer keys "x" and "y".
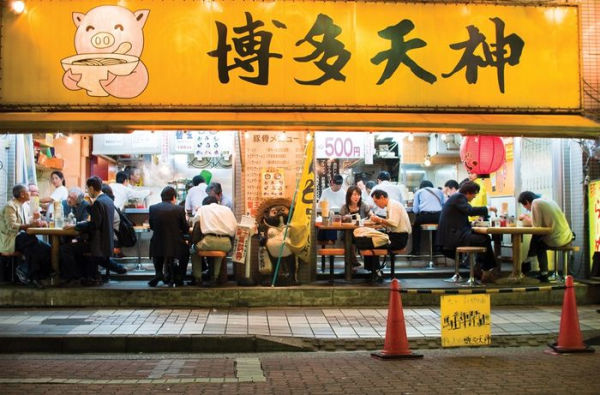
{"x": 45, "y": 163}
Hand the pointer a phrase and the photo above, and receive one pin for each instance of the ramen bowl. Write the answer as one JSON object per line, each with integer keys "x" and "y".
{"x": 94, "y": 67}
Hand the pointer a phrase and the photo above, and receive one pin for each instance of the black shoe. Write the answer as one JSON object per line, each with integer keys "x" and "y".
{"x": 526, "y": 267}
{"x": 154, "y": 282}
{"x": 543, "y": 278}
{"x": 120, "y": 269}
{"x": 37, "y": 284}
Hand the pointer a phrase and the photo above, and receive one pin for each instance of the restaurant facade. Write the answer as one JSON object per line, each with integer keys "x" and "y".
{"x": 238, "y": 88}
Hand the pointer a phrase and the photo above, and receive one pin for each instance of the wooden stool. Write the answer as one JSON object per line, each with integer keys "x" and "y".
{"x": 216, "y": 254}
{"x": 331, "y": 253}
{"x": 472, "y": 251}
{"x": 323, "y": 244}
{"x": 13, "y": 259}
{"x": 430, "y": 228}
{"x": 566, "y": 251}
{"x": 383, "y": 252}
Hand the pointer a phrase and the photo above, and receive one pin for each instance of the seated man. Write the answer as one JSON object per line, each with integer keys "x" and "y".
{"x": 99, "y": 229}
{"x": 427, "y": 206}
{"x": 454, "y": 229}
{"x": 216, "y": 226}
{"x": 397, "y": 225}
{"x": 544, "y": 213}
{"x": 13, "y": 223}
{"x": 169, "y": 226}
{"x": 76, "y": 204}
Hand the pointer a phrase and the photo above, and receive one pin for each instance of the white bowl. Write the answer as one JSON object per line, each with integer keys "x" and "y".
{"x": 98, "y": 69}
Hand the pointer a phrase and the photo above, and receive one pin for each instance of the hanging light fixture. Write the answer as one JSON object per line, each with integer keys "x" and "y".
{"x": 427, "y": 161}
{"x": 482, "y": 155}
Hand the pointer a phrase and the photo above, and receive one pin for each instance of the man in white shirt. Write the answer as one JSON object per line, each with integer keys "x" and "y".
{"x": 383, "y": 184}
{"x": 397, "y": 225}
{"x": 195, "y": 195}
{"x": 544, "y": 213}
{"x": 123, "y": 191}
{"x": 214, "y": 228}
{"x": 335, "y": 194}
{"x": 397, "y": 222}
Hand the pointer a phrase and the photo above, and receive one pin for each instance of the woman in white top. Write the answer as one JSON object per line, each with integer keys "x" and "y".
{"x": 60, "y": 193}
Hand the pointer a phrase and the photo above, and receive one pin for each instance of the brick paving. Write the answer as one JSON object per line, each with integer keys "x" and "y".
{"x": 308, "y": 323}
{"x": 473, "y": 370}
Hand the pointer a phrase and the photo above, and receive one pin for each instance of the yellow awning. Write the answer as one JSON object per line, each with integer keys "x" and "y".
{"x": 490, "y": 124}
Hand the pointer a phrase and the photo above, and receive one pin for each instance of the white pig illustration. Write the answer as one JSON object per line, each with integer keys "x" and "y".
{"x": 111, "y": 29}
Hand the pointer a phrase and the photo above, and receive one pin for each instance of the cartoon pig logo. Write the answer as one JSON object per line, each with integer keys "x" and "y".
{"x": 109, "y": 42}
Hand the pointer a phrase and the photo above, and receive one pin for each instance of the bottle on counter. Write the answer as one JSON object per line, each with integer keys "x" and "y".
{"x": 59, "y": 219}
{"x": 71, "y": 219}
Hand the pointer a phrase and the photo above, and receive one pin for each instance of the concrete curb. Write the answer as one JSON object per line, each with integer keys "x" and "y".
{"x": 305, "y": 296}
{"x": 237, "y": 344}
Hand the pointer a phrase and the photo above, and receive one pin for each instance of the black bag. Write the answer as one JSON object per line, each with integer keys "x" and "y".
{"x": 126, "y": 234}
{"x": 364, "y": 243}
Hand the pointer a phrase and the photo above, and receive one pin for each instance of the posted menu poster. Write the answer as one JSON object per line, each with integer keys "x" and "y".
{"x": 465, "y": 320}
{"x": 271, "y": 150}
{"x": 594, "y": 213}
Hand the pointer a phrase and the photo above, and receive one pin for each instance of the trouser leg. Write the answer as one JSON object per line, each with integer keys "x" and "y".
{"x": 182, "y": 261}
{"x": 538, "y": 248}
{"x": 158, "y": 262}
{"x": 197, "y": 267}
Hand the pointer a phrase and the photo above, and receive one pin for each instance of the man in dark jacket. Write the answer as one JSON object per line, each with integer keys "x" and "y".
{"x": 100, "y": 230}
{"x": 455, "y": 230}
{"x": 169, "y": 226}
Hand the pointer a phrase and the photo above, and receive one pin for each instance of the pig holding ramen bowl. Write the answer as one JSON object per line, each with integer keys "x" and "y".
{"x": 109, "y": 41}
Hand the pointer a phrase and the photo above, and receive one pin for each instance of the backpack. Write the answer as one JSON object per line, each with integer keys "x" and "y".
{"x": 126, "y": 233}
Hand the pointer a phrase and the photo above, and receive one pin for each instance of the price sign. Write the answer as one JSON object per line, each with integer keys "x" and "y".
{"x": 339, "y": 145}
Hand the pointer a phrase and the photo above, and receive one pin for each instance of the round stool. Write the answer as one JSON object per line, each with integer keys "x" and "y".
{"x": 566, "y": 251}
{"x": 430, "y": 228}
{"x": 472, "y": 251}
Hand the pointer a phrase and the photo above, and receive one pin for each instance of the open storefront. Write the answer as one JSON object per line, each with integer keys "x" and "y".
{"x": 257, "y": 79}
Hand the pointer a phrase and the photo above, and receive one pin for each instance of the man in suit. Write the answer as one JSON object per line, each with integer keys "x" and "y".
{"x": 170, "y": 227}
{"x": 100, "y": 230}
{"x": 13, "y": 223}
{"x": 455, "y": 230}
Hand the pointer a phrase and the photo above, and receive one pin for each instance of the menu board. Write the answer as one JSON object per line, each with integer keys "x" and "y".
{"x": 272, "y": 183}
{"x": 272, "y": 154}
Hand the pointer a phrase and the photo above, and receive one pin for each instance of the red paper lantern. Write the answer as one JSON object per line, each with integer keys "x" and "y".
{"x": 482, "y": 155}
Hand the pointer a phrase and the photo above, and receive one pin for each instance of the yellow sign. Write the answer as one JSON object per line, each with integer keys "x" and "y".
{"x": 289, "y": 54}
{"x": 465, "y": 320}
{"x": 299, "y": 229}
{"x": 594, "y": 212}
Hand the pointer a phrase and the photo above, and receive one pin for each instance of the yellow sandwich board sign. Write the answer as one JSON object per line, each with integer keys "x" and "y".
{"x": 465, "y": 320}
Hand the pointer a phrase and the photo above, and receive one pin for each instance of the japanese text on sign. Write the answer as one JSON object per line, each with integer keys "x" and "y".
{"x": 465, "y": 320}
{"x": 308, "y": 54}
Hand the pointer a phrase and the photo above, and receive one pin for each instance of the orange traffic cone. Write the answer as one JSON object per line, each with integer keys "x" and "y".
{"x": 396, "y": 343}
{"x": 569, "y": 335}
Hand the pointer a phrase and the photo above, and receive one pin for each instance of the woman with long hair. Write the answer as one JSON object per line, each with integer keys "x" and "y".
{"x": 355, "y": 205}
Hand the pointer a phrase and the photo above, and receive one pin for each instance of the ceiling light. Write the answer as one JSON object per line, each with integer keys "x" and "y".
{"x": 18, "y": 7}
{"x": 411, "y": 137}
{"x": 70, "y": 140}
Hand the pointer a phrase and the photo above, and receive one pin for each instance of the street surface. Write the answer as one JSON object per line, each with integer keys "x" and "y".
{"x": 474, "y": 371}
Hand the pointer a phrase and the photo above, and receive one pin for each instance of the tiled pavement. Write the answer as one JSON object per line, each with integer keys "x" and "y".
{"x": 307, "y": 323}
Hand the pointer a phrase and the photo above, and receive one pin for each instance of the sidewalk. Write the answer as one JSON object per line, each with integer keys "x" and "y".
{"x": 259, "y": 329}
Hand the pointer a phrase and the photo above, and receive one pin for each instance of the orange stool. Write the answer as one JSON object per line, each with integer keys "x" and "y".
{"x": 331, "y": 253}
